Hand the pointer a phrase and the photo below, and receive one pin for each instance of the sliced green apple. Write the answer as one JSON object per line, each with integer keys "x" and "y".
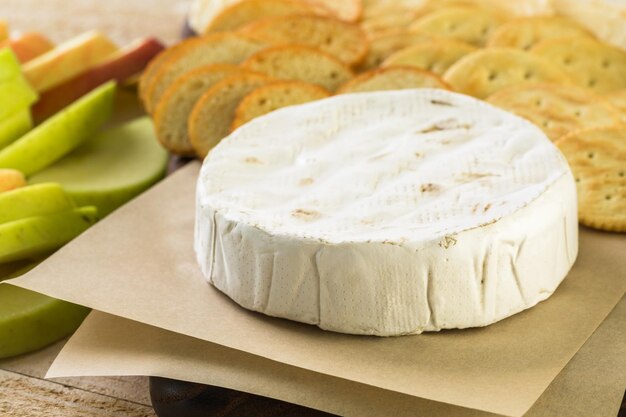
{"x": 33, "y": 200}
{"x": 9, "y": 65}
{"x": 30, "y": 321}
{"x": 15, "y": 126}
{"x": 111, "y": 168}
{"x": 15, "y": 94}
{"x": 61, "y": 133}
{"x": 32, "y": 236}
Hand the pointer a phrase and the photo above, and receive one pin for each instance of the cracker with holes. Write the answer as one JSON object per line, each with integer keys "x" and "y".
{"x": 598, "y": 160}
{"x": 275, "y": 96}
{"x": 556, "y": 109}
{"x": 393, "y": 78}
{"x": 391, "y": 19}
{"x": 526, "y": 32}
{"x": 240, "y": 14}
{"x": 303, "y": 63}
{"x": 219, "y": 48}
{"x": 348, "y": 10}
{"x": 436, "y": 55}
{"x": 467, "y": 24}
{"x": 213, "y": 114}
{"x": 382, "y": 46}
{"x": 589, "y": 63}
{"x": 618, "y": 100}
{"x": 174, "y": 108}
{"x": 486, "y": 71}
{"x": 343, "y": 40}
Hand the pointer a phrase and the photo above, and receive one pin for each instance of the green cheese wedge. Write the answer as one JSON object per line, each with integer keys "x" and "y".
{"x": 33, "y": 200}
{"x": 15, "y": 126}
{"x": 32, "y": 236}
{"x": 111, "y": 168}
{"x": 61, "y": 133}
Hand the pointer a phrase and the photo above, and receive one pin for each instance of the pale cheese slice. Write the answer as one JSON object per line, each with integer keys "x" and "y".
{"x": 387, "y": 213}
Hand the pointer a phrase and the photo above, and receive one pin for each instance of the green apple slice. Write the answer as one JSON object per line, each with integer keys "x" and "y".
{"x": 15, "y": 126}
{"x": 15, "y": 94}
{"x": 9, "y": 65}
{"x": 33, "y": 200}
{"x": 32, "y": 236}
{"x": 111, "y": 168}
{"x": 61, "y": 133}
{"x": 30, "y": 321}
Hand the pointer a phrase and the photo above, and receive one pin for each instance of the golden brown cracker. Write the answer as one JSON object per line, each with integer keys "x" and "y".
{"x": 598, "y": 160}
{"x": 618, "y": 100}
{"x": 589, "y": 63}
{"x": 303, "y": 63}
{"x": 219, "y": 48}
{"x": 393, "y": 78}
{"x": 435, "y": 55}
{"x": 382, "y": 46}
{"x": 344, "y": 40}
{"x": 486, "y": 71}
{"x": 213, "y": 114}
{"x": 526, "y": 32}
{"x": 275, "y": 96}
{"x": 556, "y": 109}
{"x": 172, "y": 113}
{"x": 467, "y": 24}
{"x": 244, "y": 12}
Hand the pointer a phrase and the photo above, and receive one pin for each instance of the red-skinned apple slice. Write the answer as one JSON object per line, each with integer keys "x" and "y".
{"x": 28, "y": 46}
{"x": 122, "y": 65}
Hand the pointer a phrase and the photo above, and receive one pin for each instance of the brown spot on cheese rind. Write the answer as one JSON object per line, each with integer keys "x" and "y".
{"x": 447, "y": 242}
{"x": 306, "y": 181}
{"x": 487, "y": 207}
{"x": 440, "y": 103}
{"x": 305, "y": 214}
{"x": 252, "y": 160}
{"x": 428, "y": 187}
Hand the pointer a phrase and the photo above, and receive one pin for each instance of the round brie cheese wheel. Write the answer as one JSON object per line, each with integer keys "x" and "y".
{"x": 387, "y": 213}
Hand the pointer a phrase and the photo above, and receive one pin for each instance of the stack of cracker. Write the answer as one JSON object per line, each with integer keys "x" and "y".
{"x": 254, "y": 56}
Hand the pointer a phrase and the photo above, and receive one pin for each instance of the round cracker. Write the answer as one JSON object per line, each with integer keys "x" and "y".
{"x": 526, "y": 32}
{"x": 467, "y": 24}
{"x": 436, "y": 55}
{"x": 393, "y": 78}
{"x": 556, "y": 109}
{"x": 598, "y": 160}
{"x": 172, "y": 113}
{"x": 618, "y": 100}
{"x": 302, "y": 63}
{"x": 213, "y": 114}
{"x": 219, "y": 48}
{"x": 240, "y": 14}
{"x": 589, "y": 63}
{"x": 486, "y": 71}
{"x": 274, "y": 96}
{"x": 344, "y": 40}
{"x": 382, "y": 46}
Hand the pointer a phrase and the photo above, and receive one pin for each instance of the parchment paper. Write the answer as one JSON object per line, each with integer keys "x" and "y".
{"x": 139, "y": 264}
{"x": 592, "y": 383}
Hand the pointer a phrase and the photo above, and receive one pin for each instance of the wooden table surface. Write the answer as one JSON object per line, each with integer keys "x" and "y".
{"x": 23, "y": 391}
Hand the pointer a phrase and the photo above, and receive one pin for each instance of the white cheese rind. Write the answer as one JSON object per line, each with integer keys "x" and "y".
{"x": 487, "y": 257}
